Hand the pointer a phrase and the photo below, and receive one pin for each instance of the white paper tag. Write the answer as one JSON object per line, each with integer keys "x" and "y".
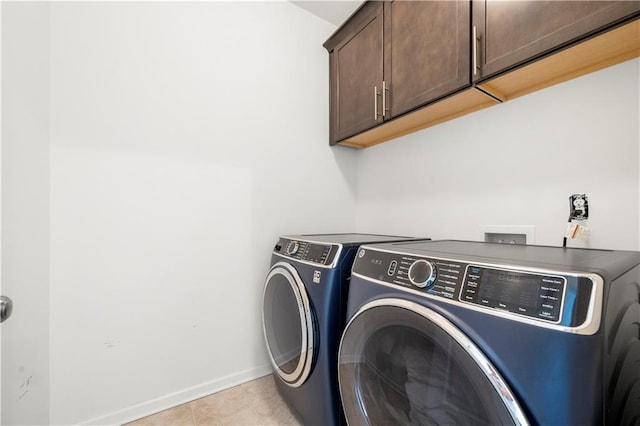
{"x": 576, "y": 231}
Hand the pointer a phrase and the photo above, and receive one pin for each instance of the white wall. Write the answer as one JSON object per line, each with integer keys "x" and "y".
{"x": 25, "y": 213}
{"x": 183, "y": 139}
{"x": 516, "y": 164}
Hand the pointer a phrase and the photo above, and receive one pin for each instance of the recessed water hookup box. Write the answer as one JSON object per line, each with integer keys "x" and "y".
{"x": 508, "y": 234}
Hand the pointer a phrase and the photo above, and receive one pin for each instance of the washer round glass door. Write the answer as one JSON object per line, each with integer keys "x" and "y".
{"x": 288, "y": 324}
{"x": 402, "y": 363}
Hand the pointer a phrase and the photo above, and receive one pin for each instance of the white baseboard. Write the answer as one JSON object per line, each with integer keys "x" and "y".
{"x": 147, "y": 408}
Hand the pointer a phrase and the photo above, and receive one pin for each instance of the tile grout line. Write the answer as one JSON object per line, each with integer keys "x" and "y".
{"x": 193, "y": 415}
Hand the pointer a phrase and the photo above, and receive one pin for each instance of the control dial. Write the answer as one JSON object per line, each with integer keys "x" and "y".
{"x": 292, "y": 247}
{"x": 422, "y": 273}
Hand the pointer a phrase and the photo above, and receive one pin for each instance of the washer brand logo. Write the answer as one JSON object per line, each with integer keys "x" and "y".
{"x": 316, "y": 277}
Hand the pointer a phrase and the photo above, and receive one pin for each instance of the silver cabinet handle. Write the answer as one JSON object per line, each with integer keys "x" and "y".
{"x": 385, "y": 89}
{"x": 6, "y": 307}
{"x": 476, "y": 39}
{"x": 375, "y": 103}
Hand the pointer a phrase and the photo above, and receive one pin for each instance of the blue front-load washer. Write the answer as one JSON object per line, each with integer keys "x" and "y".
{"x": 304, "y": 310}
{"x": 467, "y": 333}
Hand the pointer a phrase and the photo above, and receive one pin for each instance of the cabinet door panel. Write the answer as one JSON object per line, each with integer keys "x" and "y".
{"x": 512, "y": 32}
{"x": 356, "y": 68}
{"x": 426, "y": 50}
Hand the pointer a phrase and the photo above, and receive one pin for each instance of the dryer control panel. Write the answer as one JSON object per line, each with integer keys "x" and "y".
{"x": 307, "y": 251}
{"x": 541, "y": 296}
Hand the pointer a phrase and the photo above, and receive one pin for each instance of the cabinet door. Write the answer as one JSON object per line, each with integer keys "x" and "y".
{"x": 426, "y": 51}
{"x": 510, "y": 33}
{"x": 356, "y": 66}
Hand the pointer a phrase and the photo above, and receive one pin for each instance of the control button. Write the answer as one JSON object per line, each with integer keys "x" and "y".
{"x": 392, "y": 268}
{"x": 548, "y": 297}
{"x": 292, "y": 247}
{"x": 422, "y": 273}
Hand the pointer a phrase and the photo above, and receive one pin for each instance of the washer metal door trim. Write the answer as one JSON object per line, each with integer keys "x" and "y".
{"x": 472, "y": 350}
{"x": 303, "y": 369}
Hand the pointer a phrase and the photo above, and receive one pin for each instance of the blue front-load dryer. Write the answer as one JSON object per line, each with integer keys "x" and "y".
{"x": 304, "y": 311}
{"x": 467, "y": 333}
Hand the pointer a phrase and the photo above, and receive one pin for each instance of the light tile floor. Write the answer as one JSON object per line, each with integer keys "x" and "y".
{"x": 252, "y": 403}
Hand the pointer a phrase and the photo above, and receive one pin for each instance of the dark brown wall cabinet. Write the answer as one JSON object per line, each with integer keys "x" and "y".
{"x": 426, "y": 52}
{"x": 392, "y": 57}
{"x": 510, "y": 33}
{"x": 400, "y": 66}
{"x": 356, "y": 66}
{"x": 520, "y": 47}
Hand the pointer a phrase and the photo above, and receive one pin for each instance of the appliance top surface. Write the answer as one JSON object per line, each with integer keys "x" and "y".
{"x": 351, "y": 238}
{"x": 574, "y": 258}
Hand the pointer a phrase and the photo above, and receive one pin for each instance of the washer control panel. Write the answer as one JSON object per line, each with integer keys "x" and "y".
{"x": 554, "y": 298}
{"x": 321, "y": 254}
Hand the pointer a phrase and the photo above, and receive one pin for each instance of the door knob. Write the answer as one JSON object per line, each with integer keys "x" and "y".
{"x": 6, "y": 307}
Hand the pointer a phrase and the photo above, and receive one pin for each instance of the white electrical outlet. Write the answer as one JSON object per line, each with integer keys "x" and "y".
{"x": 508, "y": 234}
